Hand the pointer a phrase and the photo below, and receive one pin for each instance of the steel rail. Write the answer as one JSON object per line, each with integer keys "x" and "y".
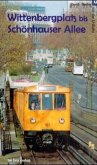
{"x": 85, "y": 147}
{"x": 72, "y": 159}
{"x": 87, "y": 131}
{"x": 65, "y": 161}
{"x": 79, "y": 157}
{"x": 33, "y": 158}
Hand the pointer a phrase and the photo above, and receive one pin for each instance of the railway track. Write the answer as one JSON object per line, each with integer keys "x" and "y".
{"x": 74, "y": 155}
{"x": 84, "y": 135}
{"x": 71, "y": 156}
{"x": 83, "y": 147}
{"x": 81, "y": 156}
{"x": 68, "y": 157}
{"x": 57, "y": 157}
{"x": 86, "y": 129}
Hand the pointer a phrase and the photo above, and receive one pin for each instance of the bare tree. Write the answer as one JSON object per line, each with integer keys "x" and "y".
{"x": 13, "y": 46}
{"x": 81, "y": 45}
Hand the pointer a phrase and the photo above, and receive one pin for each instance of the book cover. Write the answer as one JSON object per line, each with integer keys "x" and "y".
{"x": 48, "y": 82}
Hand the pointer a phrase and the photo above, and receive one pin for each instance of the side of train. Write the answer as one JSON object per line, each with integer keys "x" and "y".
{"x": 43, "y": 112}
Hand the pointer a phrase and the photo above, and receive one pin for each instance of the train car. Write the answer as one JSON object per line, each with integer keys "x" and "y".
{"x": 69, "y": 64}
{"x": 43, "y": 112}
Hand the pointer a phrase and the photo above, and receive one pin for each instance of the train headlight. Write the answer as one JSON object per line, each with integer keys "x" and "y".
{"x": 33, "y": 120}
{"x": 61, "y": 121}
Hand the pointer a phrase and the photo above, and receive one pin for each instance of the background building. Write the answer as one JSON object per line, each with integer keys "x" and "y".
{"x": 33, "y": 11}
{"x": 40, "y": 55}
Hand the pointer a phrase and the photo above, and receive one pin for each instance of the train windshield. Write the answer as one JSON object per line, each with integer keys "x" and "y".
{"x": 34, "y": 101}
{"x": 59, "y": 101}
{"x": 47, "y": 101}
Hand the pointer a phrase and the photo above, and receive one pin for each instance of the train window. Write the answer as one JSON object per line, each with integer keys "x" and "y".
{"x": 34, "y": 101}
{"x": 59, "y": 101}
{"x": 47, "y": 101}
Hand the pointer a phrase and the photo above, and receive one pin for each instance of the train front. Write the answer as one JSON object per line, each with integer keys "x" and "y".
{"x": 47, "y": 116}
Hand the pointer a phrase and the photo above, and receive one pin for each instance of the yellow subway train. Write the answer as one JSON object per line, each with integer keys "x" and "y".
{"x": 43, "y": 112}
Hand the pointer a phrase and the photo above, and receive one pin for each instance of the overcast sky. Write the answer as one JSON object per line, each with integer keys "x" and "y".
{"x": 52, "y": 7}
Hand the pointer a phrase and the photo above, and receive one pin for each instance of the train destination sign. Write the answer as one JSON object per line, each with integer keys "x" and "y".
{"x": 47, "y": 88}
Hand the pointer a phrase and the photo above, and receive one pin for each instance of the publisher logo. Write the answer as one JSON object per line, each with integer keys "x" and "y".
{"x": 94, "y": 2}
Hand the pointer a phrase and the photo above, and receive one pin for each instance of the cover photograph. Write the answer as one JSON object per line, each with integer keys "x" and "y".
{"x": 48, "y": 82}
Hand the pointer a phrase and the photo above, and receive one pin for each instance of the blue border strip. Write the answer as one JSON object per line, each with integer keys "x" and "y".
{"x": 94, "y": 2}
